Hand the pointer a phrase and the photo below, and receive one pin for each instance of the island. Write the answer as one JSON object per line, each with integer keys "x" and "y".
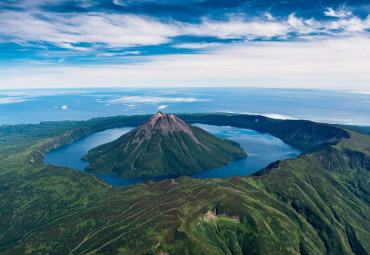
{"x": 164, "y": 145}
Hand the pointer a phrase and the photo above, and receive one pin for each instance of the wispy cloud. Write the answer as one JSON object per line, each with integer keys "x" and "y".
{"x": 68, "y": 30}
{"x": 326, "y": 63}
{"x": 233, "y": 49}
{"x": 113, "y": 54}
{"x": 150, "y": 99}
{"x": 350, "y": 25}
{"x": 34, "y": 93}
{"x": 278, "y": 116}
{"x": 94, "y": 30}
{"x": 303, "y": 26}
{"x": 237, "y": 28}
{"x": 268, "y": 115}
{"x": 12, "y": 100}
{"x": 161, "y": 107}
{"x": 196, "y": 45}
{"x": 340, "y": 13}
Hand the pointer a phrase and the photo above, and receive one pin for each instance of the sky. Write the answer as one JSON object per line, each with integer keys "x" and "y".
{"x": 185, "y": 43}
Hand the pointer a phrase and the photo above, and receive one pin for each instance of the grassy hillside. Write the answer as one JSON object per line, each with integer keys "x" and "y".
{"x": 317, "y": 203}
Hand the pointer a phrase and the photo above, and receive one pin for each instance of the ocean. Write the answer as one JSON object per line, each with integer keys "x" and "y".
{"x": 33, "y": 106}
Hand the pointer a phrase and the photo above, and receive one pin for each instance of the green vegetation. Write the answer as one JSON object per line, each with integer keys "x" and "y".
{"x": 163, "y": 145}
{"x": 317, "y": 203}
{"x": 305, "y": 135}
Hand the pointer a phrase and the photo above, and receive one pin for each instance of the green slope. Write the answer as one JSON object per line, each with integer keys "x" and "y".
{"x": 317, "y": 203}
{"x": 163, "y": 145}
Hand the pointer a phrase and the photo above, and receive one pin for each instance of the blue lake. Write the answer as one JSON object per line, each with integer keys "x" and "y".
{"x": 262, "y": 149}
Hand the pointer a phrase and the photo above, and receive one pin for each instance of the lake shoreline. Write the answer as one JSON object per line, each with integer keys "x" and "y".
{"x": 257, "y": 159}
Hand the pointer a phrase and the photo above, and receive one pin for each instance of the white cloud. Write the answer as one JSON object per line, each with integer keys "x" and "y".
{"x": 195, "y": 45}
{"x": 302, "y": 26}
{"x": 104, "y": 30}
{"x": 119, "y": 2}
{"x": 236, "y": 29}
{"x": 339, "y": 63}
{"x": 36, "y": 4}
{"x": 65, "y": 30}
{"x": 278, "y": 116}
{"x": 161, "y": 107}
{"x": 129, "y": 2}
{"x": 268, "y": 115}
{"x": 269, "y": 16}
{"x": 64, "y": 107}
{"x": 340, "y": 13}
{"x": 353, "y": 24}
{"x": 150, "y": 99}
{"x": 311, "y": 61}
{"x": 33, "y": 93}
{"x": 113, "y": 54}
{"x": 12, "y": 100}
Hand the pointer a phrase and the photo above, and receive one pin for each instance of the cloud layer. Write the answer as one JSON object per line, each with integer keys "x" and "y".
{"x": 12, "y": 100}
{"x": 150, "y": 99}
{"x": 165, "y": 43}
{"x": 91, "y": 31}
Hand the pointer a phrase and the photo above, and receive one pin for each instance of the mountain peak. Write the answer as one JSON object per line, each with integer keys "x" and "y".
{"x": 163, "y": 145}
{"x": 166, "y": 123}
{"x": 159, "y": 115}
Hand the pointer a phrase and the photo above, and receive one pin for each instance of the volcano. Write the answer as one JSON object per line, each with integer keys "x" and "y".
{"x": 163, "y": 145}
